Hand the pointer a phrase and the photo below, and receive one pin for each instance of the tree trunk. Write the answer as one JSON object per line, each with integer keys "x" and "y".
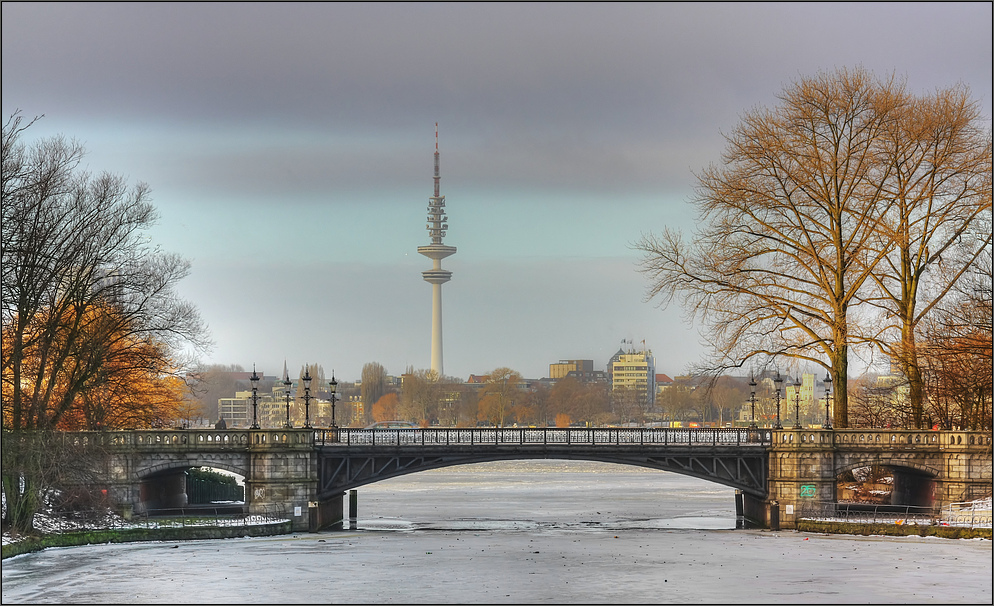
{"x": 21, "y": 505}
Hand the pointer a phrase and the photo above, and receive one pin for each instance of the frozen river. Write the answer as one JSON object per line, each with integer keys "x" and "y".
{"x": 520, "y": 532}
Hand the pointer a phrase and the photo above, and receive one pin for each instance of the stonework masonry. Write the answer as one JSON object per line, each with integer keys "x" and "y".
{"x": 144, "y": 470}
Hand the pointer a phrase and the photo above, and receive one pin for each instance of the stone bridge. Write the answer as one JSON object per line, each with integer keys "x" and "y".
{"x": 305, "y": 473}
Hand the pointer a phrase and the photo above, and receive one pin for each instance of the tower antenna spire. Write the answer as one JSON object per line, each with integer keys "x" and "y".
{"x": 437, "y": 177}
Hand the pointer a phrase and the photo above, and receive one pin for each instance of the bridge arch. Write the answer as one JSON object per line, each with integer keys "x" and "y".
{"x": 917, "y": 466}
{"x": 339, "y": 476}
{"x": 161, "y": 480}
{"x": 159, "y": 468}
{"x": 912, "y": 483}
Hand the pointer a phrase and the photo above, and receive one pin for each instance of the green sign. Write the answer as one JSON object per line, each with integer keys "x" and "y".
{"x": 807, "y": 491}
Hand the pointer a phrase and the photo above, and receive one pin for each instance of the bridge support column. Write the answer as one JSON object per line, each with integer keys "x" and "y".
{"x": 739, "y": 515}
{"x": 328, "y": 514}
{"x": 331, "y": 513}
{"x": 966, "y": 468}
{"x": 283, "y": 480}
{"x": 755, "y": 512}
{"x": 164, "y": 491}
{"x": 802, "y": 475}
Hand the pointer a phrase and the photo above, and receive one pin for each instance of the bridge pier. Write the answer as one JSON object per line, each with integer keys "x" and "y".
{"x": 165, "y": 491}
{"x": 755, "y": 511}
{"x": 329, "y": 513}
{"x": 930, "y": 468}
{"x": 802, "y": 475}
{"x": 966, "y": 467}
{"x": 281, "y": 478}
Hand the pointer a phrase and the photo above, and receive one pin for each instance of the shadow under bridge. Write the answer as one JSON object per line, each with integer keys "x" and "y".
{"x": 734, "y": 457}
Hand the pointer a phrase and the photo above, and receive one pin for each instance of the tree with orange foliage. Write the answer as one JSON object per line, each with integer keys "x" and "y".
{"x": 385, "y": 409}
{"x": 497, "y": 396}
{"x": 958, "y": 354}
{"x": 92, "y": 328}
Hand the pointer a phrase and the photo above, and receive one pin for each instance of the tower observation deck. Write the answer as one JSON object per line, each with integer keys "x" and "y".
{"x": 436, "y": 251}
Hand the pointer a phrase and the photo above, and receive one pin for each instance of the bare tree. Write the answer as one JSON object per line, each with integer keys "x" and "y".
{"x": 876, "y": 405}
{"x": 727, "y": 396}
{"x": 372, "y": 388}
{"x": 81, "y": 284}
{"x": 44, "y": 467}
{"x": 498, "y": 394}
{"x": 88, "y": 303}
{"x": 957, "y": 356}
{"x": 628, "y": 404}
{"x": 580, "y": 402}
{"x": 423, "y": 392}
{"x": 531, "y": 408}
{"x": 938, "y": 157}
{"x": 788, "y": 228}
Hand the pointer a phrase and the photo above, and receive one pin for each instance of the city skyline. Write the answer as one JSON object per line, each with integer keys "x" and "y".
{"x": 287, "y": 146}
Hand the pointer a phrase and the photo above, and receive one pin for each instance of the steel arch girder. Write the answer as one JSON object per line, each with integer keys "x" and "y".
{"x": 345, "y": 471}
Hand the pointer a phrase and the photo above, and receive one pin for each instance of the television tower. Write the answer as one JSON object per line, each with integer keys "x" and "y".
{"x": 436, "y": 276}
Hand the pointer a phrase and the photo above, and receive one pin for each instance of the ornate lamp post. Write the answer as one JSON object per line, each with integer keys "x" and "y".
{"x": 254, "y": 379}
{"x": 333, "y": 384}
{"x": 288, "y": 384}
{"x": 828, "y": 396}
{"x": 307, "y": 397}
{"x": 752, "y": 400}
{"x": 797, "y": 403}
{"x": 778, "y": 381}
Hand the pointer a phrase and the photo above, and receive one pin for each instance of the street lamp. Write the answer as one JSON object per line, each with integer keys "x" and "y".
{"x": 287, "y": 383}
{"x": 828, "y": 395}
{"x": 307, "y": 397}
{"x": 752, "y": 399}
{"x": 333, "y": 384}
{"x": 797, "y": 403}
{"x": 778, "y": 381}
{"x": 254, "y": 379}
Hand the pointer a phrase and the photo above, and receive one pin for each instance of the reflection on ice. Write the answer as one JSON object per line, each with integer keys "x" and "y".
{"x": 679, "y": 523}
{"x": 546, "y": 494}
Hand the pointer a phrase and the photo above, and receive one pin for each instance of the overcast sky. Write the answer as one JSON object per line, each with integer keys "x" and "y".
{"x": 289, "y": 150}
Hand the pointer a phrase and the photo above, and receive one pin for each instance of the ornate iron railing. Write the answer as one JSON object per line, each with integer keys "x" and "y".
{"x": 869, "y": 513}
{"x": 242, "y": 439}
{"x": 592, "y": 436}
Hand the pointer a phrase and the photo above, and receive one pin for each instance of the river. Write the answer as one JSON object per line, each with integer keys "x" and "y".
{"x": 520, "y": 532}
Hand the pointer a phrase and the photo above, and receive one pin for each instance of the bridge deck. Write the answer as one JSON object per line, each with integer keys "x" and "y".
{"x": 352, "y": 457}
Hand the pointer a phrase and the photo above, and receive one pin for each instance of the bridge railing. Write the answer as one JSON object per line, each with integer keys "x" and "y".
{"x": 580, "y": 436}
{"x": 868, "y": 513}
{"x": 910, "y": 438}
{"x": 971, "y": 514}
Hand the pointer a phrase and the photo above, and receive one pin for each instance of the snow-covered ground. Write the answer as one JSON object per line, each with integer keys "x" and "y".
{"x": 47, "y": 522}
{"x": 559, "y": 532}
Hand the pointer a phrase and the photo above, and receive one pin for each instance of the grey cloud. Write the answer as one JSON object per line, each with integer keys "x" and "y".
{"x": 621, "y": 67}
{"x": 266, "y": 167}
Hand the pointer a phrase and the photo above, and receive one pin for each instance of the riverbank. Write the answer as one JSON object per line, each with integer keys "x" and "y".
{"x": 193, "y": 533}
{"x": 133, "y": 535}
{"x": 892, "y": 530}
